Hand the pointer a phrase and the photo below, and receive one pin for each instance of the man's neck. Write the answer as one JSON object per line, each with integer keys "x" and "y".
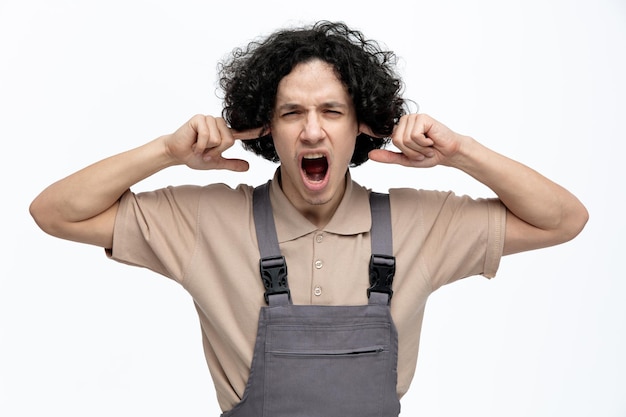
{"x": 320, "y": 213}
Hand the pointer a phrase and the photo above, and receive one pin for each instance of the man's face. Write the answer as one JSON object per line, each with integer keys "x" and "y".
{"x": 314, "y": 129}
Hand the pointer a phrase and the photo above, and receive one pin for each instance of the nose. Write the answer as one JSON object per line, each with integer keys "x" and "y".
{"x": 312, "y": 130}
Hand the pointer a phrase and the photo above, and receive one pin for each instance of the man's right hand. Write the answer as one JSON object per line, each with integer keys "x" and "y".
{"x": 83, "y": 206}
{"x": 201, "y": 141}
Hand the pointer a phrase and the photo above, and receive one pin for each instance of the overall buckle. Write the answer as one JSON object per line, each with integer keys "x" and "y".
{"x": 274, "y": 276}
{"x": 382, "y": 270}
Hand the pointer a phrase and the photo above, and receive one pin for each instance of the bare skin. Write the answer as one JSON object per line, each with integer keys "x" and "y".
{"x": 315, "y": 119}
{"x": 541, "y": 213}
{"x": 82, "y": 207}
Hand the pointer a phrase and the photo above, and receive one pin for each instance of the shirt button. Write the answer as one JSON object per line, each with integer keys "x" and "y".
{"x": 319, "y": 264}
{"x": 319, "y": 238}
{"x": 317, "y": 291}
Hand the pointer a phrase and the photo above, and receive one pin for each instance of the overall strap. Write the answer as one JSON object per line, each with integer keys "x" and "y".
{"x": 382, "y": 262}
{"x": 272, "y": 265}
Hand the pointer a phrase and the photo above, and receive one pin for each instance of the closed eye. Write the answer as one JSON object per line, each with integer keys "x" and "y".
{"x": 333, "y": 114}
{"x": 290, "y": 113}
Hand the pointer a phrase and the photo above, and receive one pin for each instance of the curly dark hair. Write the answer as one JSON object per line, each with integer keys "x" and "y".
{"x": 250, "y": 77}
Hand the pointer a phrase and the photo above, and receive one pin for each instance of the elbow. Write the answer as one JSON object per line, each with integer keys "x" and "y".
{"x": 574, "y": 222}
{"x": 43, "y": 216}
{"x": 37, "y": 212}
{"x": 583, "y": 218}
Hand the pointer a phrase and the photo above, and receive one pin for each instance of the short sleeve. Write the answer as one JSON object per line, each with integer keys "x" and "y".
{"x": 157, "y": 229}
{"x": 446, "y": 237}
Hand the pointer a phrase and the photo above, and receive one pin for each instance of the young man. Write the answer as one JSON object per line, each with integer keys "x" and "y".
{"x": 318, "y": 100}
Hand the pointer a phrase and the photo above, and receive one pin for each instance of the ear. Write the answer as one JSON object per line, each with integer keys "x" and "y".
{"x": 363, "y": 128}
{"x": 250, "y": 134}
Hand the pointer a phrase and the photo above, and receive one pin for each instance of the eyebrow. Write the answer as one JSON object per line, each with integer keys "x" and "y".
{"x": 327, "y": 104}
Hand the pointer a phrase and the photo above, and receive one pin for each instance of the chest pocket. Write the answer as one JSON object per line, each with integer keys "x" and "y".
{"x": 343, "y": 368}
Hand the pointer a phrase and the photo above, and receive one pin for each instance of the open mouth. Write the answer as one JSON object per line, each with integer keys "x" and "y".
{"x": 315, "y": 167}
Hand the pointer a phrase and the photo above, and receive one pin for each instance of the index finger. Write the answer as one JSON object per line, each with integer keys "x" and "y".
{"x": 249, "y": 134}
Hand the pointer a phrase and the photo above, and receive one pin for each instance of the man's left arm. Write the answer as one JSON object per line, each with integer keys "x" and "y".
{"x": 540, "y": 213}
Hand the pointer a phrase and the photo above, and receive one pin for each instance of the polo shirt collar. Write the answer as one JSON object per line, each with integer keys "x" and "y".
{"x": 352, "y": 216}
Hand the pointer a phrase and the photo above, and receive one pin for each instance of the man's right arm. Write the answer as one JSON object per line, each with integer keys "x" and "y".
{"x": 82, "y": 207}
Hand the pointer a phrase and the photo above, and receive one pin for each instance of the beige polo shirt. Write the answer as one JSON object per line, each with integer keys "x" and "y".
{"x": 204, "y": 238}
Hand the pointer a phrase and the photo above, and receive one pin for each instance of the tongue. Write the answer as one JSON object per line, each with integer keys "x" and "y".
{"x": 315, "y": 169}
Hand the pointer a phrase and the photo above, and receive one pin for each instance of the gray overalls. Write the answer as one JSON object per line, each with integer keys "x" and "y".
{"x": 323, "y": 361}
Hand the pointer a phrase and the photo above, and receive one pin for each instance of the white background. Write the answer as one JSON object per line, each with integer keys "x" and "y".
{"x": 541, "y": 81}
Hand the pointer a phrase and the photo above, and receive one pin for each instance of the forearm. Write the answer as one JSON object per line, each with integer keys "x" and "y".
{"x": 94, "y": 189}
{"x": 528, "y": 195}
{"x": 540, "y": 212}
